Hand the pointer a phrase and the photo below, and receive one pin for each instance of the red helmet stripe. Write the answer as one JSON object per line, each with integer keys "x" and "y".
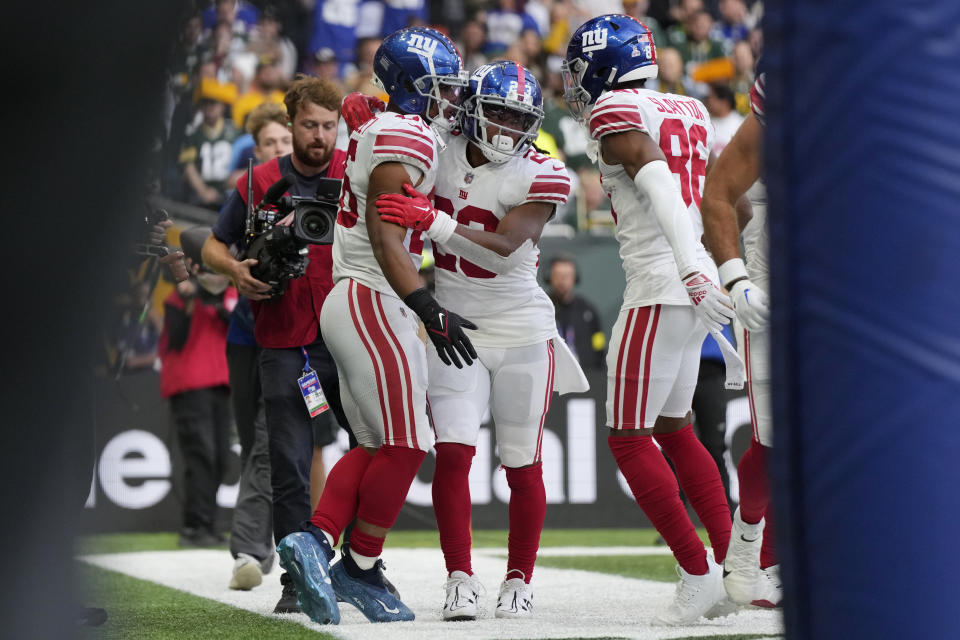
{"x": 520, "y": 79}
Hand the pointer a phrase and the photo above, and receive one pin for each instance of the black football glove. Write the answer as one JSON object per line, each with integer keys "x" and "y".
{"x": 445, "y": 328}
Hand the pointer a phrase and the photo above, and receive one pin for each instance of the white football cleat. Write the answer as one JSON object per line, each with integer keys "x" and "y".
{"x": 515, "y": 600}
{"x": 694, "y": 596}
{"x": 247, "y": 573}
{"x": 770, "y": 590}
{"x": 741, "y": 567}
{"x": 463, "y": 597}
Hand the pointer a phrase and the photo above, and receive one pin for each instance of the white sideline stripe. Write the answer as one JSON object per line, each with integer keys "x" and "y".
{"x": 569, "y": 603}
{"x": 567, "y": 552}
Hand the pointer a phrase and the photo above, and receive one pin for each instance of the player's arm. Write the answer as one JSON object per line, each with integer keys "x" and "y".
{"x": 646, "y": 165}
{"x": 444, "y": 327}
{"x": 385, "y": 238}
{"x": 736, "y": 169}
{"x": 498, "y": 251}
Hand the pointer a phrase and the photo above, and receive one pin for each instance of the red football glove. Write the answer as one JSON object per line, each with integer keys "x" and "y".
{"x": 359, "y": 108}
{"x": 413, "y": 212}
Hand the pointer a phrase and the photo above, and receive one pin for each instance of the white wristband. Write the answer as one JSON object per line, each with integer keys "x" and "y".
{"x": 442, "y": 228}
{"x": 732, "y": 269}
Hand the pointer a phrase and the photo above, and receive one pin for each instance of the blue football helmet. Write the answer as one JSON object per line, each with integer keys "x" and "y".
{"x": 418, "y": 67}
{"x": 505, "y": 96}
{"x": 604, "y": 52}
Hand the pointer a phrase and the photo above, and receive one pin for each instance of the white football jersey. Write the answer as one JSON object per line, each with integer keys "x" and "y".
{"x": 510, "y": 309}
{"x": 389, "y": 137}
{"x": 682, "y": 128}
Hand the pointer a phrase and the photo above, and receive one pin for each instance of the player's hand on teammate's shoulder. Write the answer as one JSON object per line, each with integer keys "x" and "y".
{"x": 415, "y": 211}
{"x": 750, "y": 304}
{"x": 711, "y": 305}
{"x": 358, "y": 108}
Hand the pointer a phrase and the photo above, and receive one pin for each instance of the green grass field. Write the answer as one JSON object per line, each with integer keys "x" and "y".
{"x": 141, "y": 609}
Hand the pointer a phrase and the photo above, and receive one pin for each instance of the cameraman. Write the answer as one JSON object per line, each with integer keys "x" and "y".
{"x": 286, "y": 326}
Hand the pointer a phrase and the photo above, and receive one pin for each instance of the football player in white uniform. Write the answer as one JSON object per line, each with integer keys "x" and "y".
{"x": 751, "y": 570}
{"x": 372, "y": 334}
{"x": 494, "y": 194}
{"x": 653, "y": 150}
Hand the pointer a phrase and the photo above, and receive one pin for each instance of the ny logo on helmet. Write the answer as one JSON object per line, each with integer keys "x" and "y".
{"x": 594, "y": 40}
{"x": 422, "y": 45}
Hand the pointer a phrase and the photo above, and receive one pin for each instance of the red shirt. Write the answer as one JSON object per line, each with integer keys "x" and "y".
{"x": 202, "y": 362}
{"x": 293, "y": 319}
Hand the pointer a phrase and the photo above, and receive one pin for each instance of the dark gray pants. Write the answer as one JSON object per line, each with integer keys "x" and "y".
{"x": 291, "y": 430}
{"x": 202, "y": 418}
{"x": 252, "y": 530}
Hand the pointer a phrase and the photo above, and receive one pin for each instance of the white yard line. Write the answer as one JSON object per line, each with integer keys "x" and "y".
{"x": 568, "y": 603}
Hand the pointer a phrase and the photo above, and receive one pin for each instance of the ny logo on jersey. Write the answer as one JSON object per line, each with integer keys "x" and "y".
{"x": 594, "y": 40}
{"x": 422, "y": 45}
{"x": 463, "y": 194}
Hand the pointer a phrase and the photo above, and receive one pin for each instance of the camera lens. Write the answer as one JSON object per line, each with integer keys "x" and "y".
{"x": 314, "y": 224}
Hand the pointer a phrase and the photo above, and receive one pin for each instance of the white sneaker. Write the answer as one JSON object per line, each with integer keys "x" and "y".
{"x": 515, "y": 600}
{"x": 770, "y": 590}
{"x": 463, "y": 597}
{"x": 741, "y": 567}
{"x": 247, "y": 573}
{"x": 694, "y": 596}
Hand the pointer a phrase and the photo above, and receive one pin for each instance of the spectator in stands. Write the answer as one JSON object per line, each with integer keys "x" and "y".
{"x": 325, "y": 65}
{"x": 732, "y": 27}
{"x": 577, "y": 319}
{"x": 698, "y": 45}
{"x": 361, "y": 79}
{"x": 268, "y": 41}
{"x": 680, "y": 12}
{"x": 219, "y": 58}
{"x": 743, "y": 64}
{"x": 239, "y": 16}
{"x": 194, "y": 377}
{"x": 571, "y": 138}
{"x": 556, "y": 38}
{"x": 287, "y": 328}
{"x": 265, "y": 87}
{"x": 206, "y": 153}
{"x": 473, "y": 41}
{"x": 671, "y": 78}
{"x": 721, "y": 105}
{"x": 504, "y": 26}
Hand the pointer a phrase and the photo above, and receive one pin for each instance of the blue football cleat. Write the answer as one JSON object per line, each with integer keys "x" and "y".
{"x": 306, "y": 562}
{"x": 369, "y": 595}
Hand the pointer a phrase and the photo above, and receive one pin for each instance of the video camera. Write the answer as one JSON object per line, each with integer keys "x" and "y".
{"x": 281, "y": 252}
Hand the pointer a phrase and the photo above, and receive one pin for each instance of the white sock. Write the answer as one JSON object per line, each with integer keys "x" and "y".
{"x": 329, "y": 538}
{"x": 364, "y": 562}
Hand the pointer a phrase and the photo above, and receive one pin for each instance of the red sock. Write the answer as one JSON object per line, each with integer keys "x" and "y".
{"x": 385, "y": 484}
{"x": 528, "y": 508}
{"x": 700, "y": 481}
{"x": 768, "y": 550}
{"x": 338, "y": 502}
{"x": 655, "y": 488}
{"x": 451, "y": 504}
{"x": 365, "y": 544}
{"x": 754, "y": 485}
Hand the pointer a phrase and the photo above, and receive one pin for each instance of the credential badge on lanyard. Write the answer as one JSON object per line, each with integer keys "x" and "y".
{"x": 310, "y": 387}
